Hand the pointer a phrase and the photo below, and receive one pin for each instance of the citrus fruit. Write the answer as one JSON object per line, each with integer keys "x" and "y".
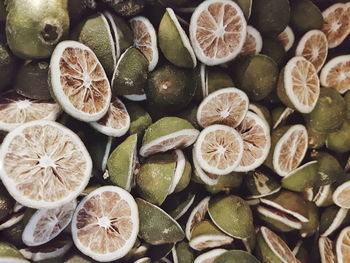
{"x": 143, "y": 260}
{"x": 10, "y": 254}
{"x": 335, "y": 74}
{"x": 7, "y": 203}
{"x": 272, "y": 248}
{"x": 219, "y": 149}
{"x": 287, "y": 38}
{"x": 12, "y": 219}
{"x": 274, "y": 49}
{"x": 342, "y": 246}
{"x": 323, "y": 196}
{"x": 121, "y": 163}
{"x": 225, "y": 183}
{"x": 130, "y": 74}
{"x": 32, "y": 33}
{"x": 99, "y": 148}
{"x": 336, "y": 23}
{"x": 347, "y": 101}
{"x": 225, "y": 106}
{"x": 210, "y": 256}
{"x": 174, "y": 42}
{"x": 178, "y": 205}
{"x": 339, "y": 141}
{"x": 312, "y": 226}
{"x": 316, "y": 139}
{"x": 236, "y": 256}
{"x": 288, "y": 148}
{"x": 78, "y": 81}
{"x": 305, "y": 16}
{"x": 217, "y": 31}
{"x": 166, "y": 134}
{"x": 156, "y": 226}
{"x": 116, "y": 122}
{"x": 145, "y": 39}
{"x": 256, "y": 142}
{"x": 179, "y": 170}
{"x": 302, "y": 177}
{"x": 170, "y": 88}
{"x": 270, "y": 17}
{"x": 46, "y": 224}
{"x": 216, "y": 78}
{"x": 331, "y": 219}
{"x": 232, "y": 215}
{"x": 341, "y": 195}
{"x": 197, "y": 215}
{"x": 280, "y": 116}
{"x": 201, "y": 176}
{"x": 256, "y": 75}
{"x": 45, "y": 164}
{"x": 329, "y": 112}
{"x": 16, "y": 110}
{"x": 7, "y": 65}
{"x": 253, "y": 43}
{"x": 298, "y": 85}
{"x": 105, "y": 224}
{"x": 126, "y": 7}
{"x": 182, "y": 252}
{"x": 326, "y": 248}
{"x": 260, "y": 184}
{"x": 140, "y": 119}
{"x": 261, "y": 111}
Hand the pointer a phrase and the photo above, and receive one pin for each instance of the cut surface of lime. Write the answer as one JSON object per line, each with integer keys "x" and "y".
{"x": 341, "y": 195}
{"x": 287, "y": 38}
{"x": 253, "y": 43}
{"x": 343, "y": 246}
{"x": 326, "y": 248}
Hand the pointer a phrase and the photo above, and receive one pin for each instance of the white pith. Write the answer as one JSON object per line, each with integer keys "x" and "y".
{"x": 12, "y": 260}
{"x": 152, "y": 32}
{"x": 38, "y": 256}
{"x": 32, "y": 225}
{"x": 215, "y": 241}
{"x": 321, "y": 244}
{"x": 278, "y": 147}
{"x": 291, "y": 38}
{"x": 284, "y": 115}
{"x": 109, "y": 16}
{"x": 212, "y": 254}
{"x": 338, "y": 191}
{"x": 263, "y": 195}
{"x": 107, "y": 26}
{"x": 337, "y": 221}
{"x": 198, "y": 171}
{"x": 262, "y": 210}
{"x": 12, "y": 221}
{"x": 184, "y": 38}
{"x": 106, "y": 153}
{"x": 189, "y": 132}
{"x": 143, "y": 260}
{"x": 11, "y": 184}
{"x": 257, "y": 37}
{"x": 322, "y": 195}
{"x": 300, "y": 168}
{"x": 204, "y": 80}
{"x": 198, "y": 153}
{"x": 288, "y": 85}
{"x": 252, "y": 107}
{"x": 339, "y": 243}
{"x": 132, "y": 165}
{"x": 180, "y": 167}
{"x": 202, "y": 206}
{"x": 136, "y": 97}
{"x": 174, "y": 254}
{"x": 192, "y": 29}
{"x": 116, "y": 70}
{"x": 124, "y": 195}
{"x": 185, "y": 209}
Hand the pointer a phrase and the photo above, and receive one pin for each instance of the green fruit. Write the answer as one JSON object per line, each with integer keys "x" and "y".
{"x": 275, "y": 224}
{"x": 218, "y": 79}
{"x": 274, "y": 49}
{"x": 13, "y": 234}
{"x": 130, "y": 74}
{"x": 309, "y": 228}
{"x": 140, "y": 120}
{"x": 126, "y": 7}
{"x": 79, "y": 8}
{"x": 246, "y": 6}
{"x": 334, "y": 217}
{"x": 2, "y": 11}
{"x": 8, "y": 251}
{"x": 270, "y": 17}
{"x": 347, "y": 102}
{"x": 31, "y": 80}
{"x": 190, "y": 114}
{"x": 183, "y": 252}
{"x": 177, "y": 205}
{"x": 185, "y": 178}
{"x": 329, "y": 112}
{"x": 316, "y": 139}
{"x": 339, "y": 141}
{"x": 262, "y": 112}
{"x": 7, "y": 203}
{"x": 226, "y": 183}
{"x": 305, "y": 16}
{"x": 260, "y": 184}
{"x": 236, "y": 256}
{"x": 256, "y": 75}
{"x": 329, "y": 169}
{"x": 7, "y": 65}
{"x": 33, "y": 33}
{"x": 232, "y": 215}
{"x": 170, "y": 88}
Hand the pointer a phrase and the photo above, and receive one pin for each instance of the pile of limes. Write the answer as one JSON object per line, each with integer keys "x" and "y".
{"x": 149, "y": 131}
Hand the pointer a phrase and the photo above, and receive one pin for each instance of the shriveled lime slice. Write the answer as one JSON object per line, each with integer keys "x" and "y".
{"x": 46, "y": 224}
{"x": 145, "y": 39}
{"x": 341, "y": 195}
{"x": 225, "y": 106}
{"x": 323, "y": 196}
{"x": 219, "y": 149}
{"x": 166, "y": 134}
{"x": 236, "y": 256}
{"x": 280, "y": 116}
{"x": 45, "y": 165}
{"x": 202, "y": 176}
{"x": 336, "y": 23}
{"x": 287, "y": 38}
{"x": 326, "y": 248}
{"x": 343, "y": 246}
{"x": 197, "y": 215}
{"x": 10, "y": 254}
{"x": 335, "y": 74}
{"x": 210, "y": 256}
{"x": 298, "y": 85}
{"x": 256, "y": 141}
{"x": 78, "y": 81}
{"x": 16, "y": 110}
{"x": 331, "y": 219}
{"x": 314, "y": 47}
{"x": 253, "y": 43}
{"x": 105, "y": 224}
{"x": 217, "y": 31}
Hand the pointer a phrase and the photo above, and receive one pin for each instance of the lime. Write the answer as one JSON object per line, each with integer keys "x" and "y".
{"x": 10, "y": 254}
{"x": 256, "y": 75}
{"x": 236, "y": 256}
{"x": 140, "y": 120}
{"x": 339, "y": 141}
{"x": 121, "y": 163}
{"x": 226, "y": 183}
{"x": 312, "y": 226}
{"x": 331, "y": 219}
{"x": 7, "y": 203}
{"x": 246, "y": 6}
{"x": 126, "y": 7}
{"x": 323, "y": 196}
{"x": 197, "y": 215}
{"x": 287, "y": 38}
{"x": 261, "y": 111}
{"x": 7, "y": 65}
{"x": 190, "y": 114}
{"x": 209, "y": 256}
{"x": 201, "y": 176}
{"x": 270, "y": 17}
{"x": 316, "y": 139}
{"x": 280, "y": 116}
{"x": 342, "y": 246}
{"x": 174, "y": 43}
{"x": 260, "y": 184}
{"x": 326, "y": 248}
{"x": 217, "y": 79}
{"x": 177, "y": 205}
{"x": 329, "y": 170}
{"x": 182, "y": 252}
{"x": 305, "y": 16}
{"x": 347, "y": 101}
{"x": 273, "y": 48}
{"x": 157, "y": 227}
{"x": 183, "y": 171}
{"x": 341, "y": 195}
{"x": 253, "y": 42}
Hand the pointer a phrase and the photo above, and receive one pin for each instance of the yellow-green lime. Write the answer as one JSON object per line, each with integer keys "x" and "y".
{"x": 217, "y": 79}
{"x": 156, "y": 226}
{"x": 312, "y": 226}
{"x": 260, "y": 184}
{"x": 347, "y": 102}
{"x": 7, "y": 65}
{"x": 10, "y": 254}
{"x": 236, "y": 256}
{"x": 273, "y": 48}
{"x": 183, "y": 173}
{"x": 305, "y": 16}
{"x": 178, "y": 204}
{"x": 7, "y": 203}
{"x": 140, "y": 120}
{"x": 339, "y": 141}
{"x": 197, "y": 215}
{"x": 209, "y": 256}
{"x": 332, "y": 218}
{"x": 316, "y": 139}
{"x": 182, "y": 252}
{"x": 226, "y": 183}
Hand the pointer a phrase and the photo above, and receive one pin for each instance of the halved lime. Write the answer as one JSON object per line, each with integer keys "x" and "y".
{"x": 200, "y": 175}
{"x": 253, "y": 43}
{"x": 177, "y": 205}
{"x": 10, "y": 254}
{"x": 260, "y": 184}
{"x": 323, "y": 196}
{"x": 339, "y": 141}
{"x": 342, "y": 246}
{"x": 274, "y": 49}
{"x": 197, "y": 215}
{"x": 182, "y": 252}
{"x": 226, "y": 183}
{"x": 341, "y": 195}
{"x": 140, "y": 119}
{"x": 326, "y": 248}
{"x": 280, "y": 116}
{"x": 312, "y": 226}
{"x": 331, "y": 219}
{"x": 210, "y": 256}
{"x": 236, "y": 256}
{"x": 287, "y": 38}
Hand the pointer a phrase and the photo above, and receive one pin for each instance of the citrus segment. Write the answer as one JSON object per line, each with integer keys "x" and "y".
{"x": 287, "y": 38}
{"x": 326, "y": 248}
{"x": 116, "y": 122}
{"x": 78, "y": 81}
{"x": 105, "y": 224}
{"x": 253, "y": 43}
{"x": 218, "y": 31}
{"x": 341, "y": 195}
{"x": 45, "y": 164}
{"x": 219, "y": 149}
{"x": 343, "y": 246}
{"x": 16, "y": 110}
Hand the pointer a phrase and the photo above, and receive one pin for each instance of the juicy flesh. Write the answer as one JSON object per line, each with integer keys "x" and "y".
{"x": 292, "y": 151}
{"x": 142, "y": 38}
{"x": 226, "y": 108}
{"x": 15, "y": 108}
{"x": 104, "y": 223}
{"x": 306, "y": 86}
{"x": 221, "y": 149}
{"x": 219, "y": 30}
{"x": 45, "y": 163}
{"x": 250, "y": 45}
{"x": 117, "y": 115}
{"x": 339, "y": 76}
{"x": 344, "y": 197}
{"x": 345, "y": 248}
{"x": 83, "y": 80}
